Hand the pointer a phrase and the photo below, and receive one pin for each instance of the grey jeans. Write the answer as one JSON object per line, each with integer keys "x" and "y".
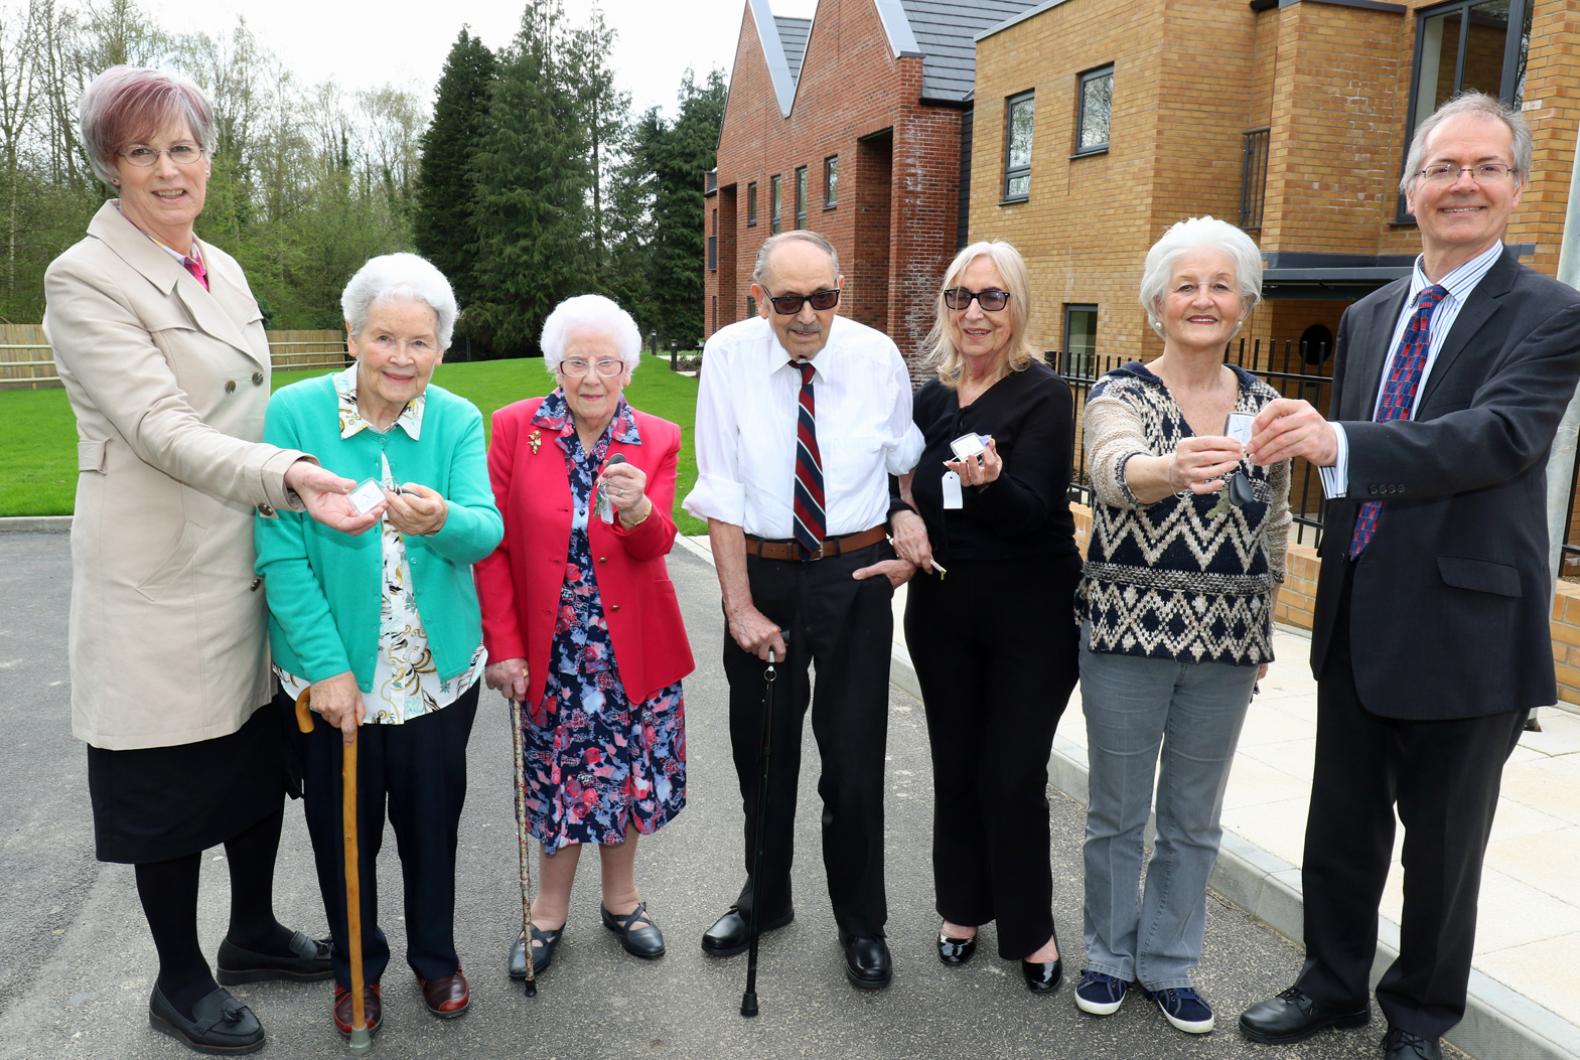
{"x": 1134, "y": 706}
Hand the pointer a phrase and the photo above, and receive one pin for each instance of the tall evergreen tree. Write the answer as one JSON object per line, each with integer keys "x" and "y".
{"x": 687, "y": 151}
{"x": 446, "y": 224}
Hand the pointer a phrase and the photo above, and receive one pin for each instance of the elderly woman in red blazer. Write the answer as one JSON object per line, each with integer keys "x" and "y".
{"x": 581, "y": 621}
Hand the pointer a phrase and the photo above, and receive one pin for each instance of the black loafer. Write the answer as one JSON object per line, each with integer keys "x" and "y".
{"x": 542, "y": 953}
{"x": 219, "y": 1024}
{"x": 1294, "y": 1016}
{"x": 730, "y": 934}
{"x": 644, "y": 942}
{"x": 868, "y": 965}
{"x": 1044, "y": 977}
{"x": 955, "y": 952}
{"x": 1400, "y": 1044}
{"x": 308, "y": 961}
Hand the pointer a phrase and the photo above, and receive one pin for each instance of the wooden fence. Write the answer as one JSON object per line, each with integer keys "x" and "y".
{"x": 27, "y": 363}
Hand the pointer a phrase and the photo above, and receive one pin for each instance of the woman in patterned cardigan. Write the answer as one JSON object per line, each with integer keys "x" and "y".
{"x": 1176, "y": 608}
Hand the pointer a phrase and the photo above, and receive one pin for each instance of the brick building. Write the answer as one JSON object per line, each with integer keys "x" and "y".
{"x": 850, "y": 123}
{"x": 1098, "y": 123}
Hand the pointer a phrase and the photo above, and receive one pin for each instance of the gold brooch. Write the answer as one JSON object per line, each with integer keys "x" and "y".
{"x": 535, "y": 439}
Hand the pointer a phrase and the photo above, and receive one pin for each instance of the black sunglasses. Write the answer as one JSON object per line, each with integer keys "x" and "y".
{"x": 992, "y": 299}
{"x": 788, "y": 304}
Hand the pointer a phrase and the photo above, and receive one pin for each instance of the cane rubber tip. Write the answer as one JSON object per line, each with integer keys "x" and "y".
{"x": 361, "y": 1041}
{"x": 531, "y": 989}
{"x": 749, "y": 1004}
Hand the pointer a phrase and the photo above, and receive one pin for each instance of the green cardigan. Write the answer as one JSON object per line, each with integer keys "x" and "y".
{"x": 325, "y": 587}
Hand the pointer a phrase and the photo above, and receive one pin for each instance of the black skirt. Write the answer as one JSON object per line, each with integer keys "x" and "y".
{"x": 159, "y": 803}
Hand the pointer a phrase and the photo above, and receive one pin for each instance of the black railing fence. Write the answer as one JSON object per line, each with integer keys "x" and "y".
{"x": 1296, "y": 370}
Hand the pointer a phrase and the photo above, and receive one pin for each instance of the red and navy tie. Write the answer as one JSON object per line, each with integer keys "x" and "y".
{"x": 1404, "y": 376}
{"x": 810, "y": 522}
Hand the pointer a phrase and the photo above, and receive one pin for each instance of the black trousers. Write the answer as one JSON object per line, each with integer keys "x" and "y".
{"x": 1444, "y": 776}
{"x": 994, "y": 646}
{"x": 844, "y": 628}
{"x": 419, "y": 769}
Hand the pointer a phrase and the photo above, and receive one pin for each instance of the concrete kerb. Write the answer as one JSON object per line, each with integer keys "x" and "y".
{"x": 1499, "y": 1021}
{"x": 35, "y": 524}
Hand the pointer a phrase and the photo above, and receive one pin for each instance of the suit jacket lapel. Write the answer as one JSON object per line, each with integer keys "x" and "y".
{"x": 1371, "y": 351}
{"x": 223, "y": 321}
{"x": 1483, "y": 303}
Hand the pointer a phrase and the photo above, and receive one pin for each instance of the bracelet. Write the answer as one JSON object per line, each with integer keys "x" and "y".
{"x": 639, "y": 522}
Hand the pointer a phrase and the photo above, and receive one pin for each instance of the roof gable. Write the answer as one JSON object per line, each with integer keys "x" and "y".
{"x": 793, "y": 33}
{"x": 944, "y": 32}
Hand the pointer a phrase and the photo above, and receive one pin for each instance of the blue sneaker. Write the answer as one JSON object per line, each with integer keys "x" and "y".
{"x": 1187, "y": 1010}
{"x": 1098, "y": 994}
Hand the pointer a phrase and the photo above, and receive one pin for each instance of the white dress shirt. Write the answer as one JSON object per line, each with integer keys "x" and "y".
{"x": 746, "y": 428}
{"x": 1459, "y": 284}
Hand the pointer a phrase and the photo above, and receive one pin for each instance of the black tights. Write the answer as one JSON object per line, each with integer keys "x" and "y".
{"x": 169, "y": 892}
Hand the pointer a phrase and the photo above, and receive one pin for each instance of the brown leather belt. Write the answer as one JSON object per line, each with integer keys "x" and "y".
{"x": 766, "y": 548}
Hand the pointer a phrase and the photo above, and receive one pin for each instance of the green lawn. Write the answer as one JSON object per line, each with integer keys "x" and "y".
{"x": 38, "y": 437}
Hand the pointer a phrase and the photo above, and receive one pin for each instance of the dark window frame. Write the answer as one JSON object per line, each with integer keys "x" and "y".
{"x": 1519, "y": 17}
{"x": 830, "y": 182}
{"x": 1016, "y": 172}
{"x": 751, "y": 204}
{"x": 1081, "y": 81}
{"x": 1070, "y": 367}
{"x": 776, "y": 202}
{"x": 801, "y": 189}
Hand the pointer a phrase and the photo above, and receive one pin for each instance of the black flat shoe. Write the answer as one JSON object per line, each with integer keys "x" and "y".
{"x": 644, "y": 942}
{"x": 730, "y": 935}
{"x": 1044, "y": 977}
{"x": 868, "y": 965}
{"x": 1294, "y": 1016}
{"x": 955, "y": 952}
{"x": 220, "y": 1024}
{"x": 307, "y": 962}
{"x": 542, "y": 953}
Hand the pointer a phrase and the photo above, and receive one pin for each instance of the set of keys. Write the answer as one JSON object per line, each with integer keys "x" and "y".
{"x": 1237, "y": 492}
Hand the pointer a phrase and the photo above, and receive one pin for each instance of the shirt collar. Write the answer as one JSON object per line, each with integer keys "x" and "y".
{"x": 823, "y": 364}
{"x": 1462, "y": 280}
{"x": 555, "y": 415}
{"x": 351, "y": 419}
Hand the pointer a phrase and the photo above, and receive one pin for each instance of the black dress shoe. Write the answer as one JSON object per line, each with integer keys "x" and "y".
{"x": 730, "y": 934}
{"x": 542, "y": 953}
{"x": 1044, "y": 977}
{"x": 955, "y": 952}
{"x": 219, "y": 1024}
{"x": 307, "y": 961}
{"x": 1294, "y": 1016}
{"x": 644, "y": 942}
{"x": 1400, "y": 1044}
{"x": 867, "y": 962}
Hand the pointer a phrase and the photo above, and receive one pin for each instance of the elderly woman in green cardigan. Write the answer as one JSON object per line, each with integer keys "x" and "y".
{"x": 384, "y": 629}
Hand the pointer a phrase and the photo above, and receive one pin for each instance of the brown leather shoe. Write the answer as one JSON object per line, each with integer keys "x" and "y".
{"x": 447, "y": 996}
{"x": 372, "y": 1008}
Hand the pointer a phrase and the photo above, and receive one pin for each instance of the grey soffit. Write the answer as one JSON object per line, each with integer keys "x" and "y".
{"x": 792, "y": 36}
{"x": 946, "y": 32}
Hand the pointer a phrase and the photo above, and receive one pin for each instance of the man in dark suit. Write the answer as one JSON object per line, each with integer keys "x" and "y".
{"x": 1430, "y": 643}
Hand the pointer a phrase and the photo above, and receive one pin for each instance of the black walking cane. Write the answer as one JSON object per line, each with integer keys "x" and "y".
{"x": 749, "y": 998}
{"x": 523, "y": 853}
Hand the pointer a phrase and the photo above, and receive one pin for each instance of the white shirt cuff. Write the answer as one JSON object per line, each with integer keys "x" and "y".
{"x": 903, "y": 457}
{"x": 717, "y": 498}
{"x": 1336, "y": 479}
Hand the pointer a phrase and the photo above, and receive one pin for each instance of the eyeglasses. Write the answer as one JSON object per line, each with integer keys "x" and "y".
{"x": 788, "y": 304}
{"x": 181, "y": 154}
{"x": 992, "y": 299}
{"x": 576, "y": 367}
{"x": 1481, "y": 173}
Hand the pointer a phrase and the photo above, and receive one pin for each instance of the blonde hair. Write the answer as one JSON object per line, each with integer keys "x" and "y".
{"x": 938, "y": 348}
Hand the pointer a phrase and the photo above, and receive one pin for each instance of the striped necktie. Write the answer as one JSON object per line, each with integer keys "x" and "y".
{"x": 1404, "y": 376}
{"x": 810, "y": 521}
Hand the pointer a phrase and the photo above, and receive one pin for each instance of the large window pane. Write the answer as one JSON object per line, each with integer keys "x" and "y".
{"x": 1019, "y": 112}
{"x": 1097, "y": 98}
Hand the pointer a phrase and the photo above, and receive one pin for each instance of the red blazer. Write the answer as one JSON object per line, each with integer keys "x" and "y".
{"x": 519, "y": 584}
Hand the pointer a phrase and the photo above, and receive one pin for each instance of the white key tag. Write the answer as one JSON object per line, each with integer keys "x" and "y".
{"x": 367, "y": 496}
{"x": 1239, "y": 427}
{"x": 953, "y": 498}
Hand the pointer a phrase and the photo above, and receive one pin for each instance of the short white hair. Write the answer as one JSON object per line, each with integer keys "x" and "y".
{"x": 1200, "y": 233}
{"x": 590, "y": 313}
{"x": 400, "y": 278}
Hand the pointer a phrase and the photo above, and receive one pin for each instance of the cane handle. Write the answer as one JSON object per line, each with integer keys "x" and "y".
{"x": 304, "y": 714}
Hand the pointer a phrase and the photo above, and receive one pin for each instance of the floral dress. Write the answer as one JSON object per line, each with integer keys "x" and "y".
{"x": 595, "y": 763}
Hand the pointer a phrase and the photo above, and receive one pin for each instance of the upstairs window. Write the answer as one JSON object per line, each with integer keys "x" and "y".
{"x": 800, "y": 197}
{"x": 775, "y": 203}
{"x": 830, "y": 182}
{"x": 751, "y": 205}
{"x": 1094, "y": 109}
{"x": 1018, "y": 113}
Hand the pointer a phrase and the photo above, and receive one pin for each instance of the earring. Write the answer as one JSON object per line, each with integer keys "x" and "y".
{"x": 115, "y": 181}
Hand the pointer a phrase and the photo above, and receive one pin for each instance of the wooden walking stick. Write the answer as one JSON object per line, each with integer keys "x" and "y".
{"x": 523, "y": 852}
{"x": 361, "y": 1041}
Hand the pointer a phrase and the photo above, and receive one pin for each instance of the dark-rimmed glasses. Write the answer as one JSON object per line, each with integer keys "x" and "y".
{"x": 790, "y": 304}
{"x": 182, "y": 154}
{"x": 991, "y": 299}
{"x": 607, "y": 367}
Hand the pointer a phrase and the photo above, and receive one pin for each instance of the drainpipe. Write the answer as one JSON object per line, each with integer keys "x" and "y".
{"x": 1561, "y": 461}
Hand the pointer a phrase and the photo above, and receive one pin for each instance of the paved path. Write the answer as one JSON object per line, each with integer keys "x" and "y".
{"x": 76, "y": 962}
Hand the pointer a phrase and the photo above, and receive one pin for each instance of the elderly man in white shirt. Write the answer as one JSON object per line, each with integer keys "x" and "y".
{"x": 801, "y": 417}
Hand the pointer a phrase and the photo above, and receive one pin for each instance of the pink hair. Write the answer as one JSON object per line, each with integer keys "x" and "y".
{"x": 126, "y": 105}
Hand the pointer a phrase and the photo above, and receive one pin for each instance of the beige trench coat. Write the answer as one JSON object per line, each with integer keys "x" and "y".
{"x": 169, "y": 383}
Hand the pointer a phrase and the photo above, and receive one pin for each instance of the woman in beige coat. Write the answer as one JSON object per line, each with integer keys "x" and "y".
{"x": 162, "y": 350}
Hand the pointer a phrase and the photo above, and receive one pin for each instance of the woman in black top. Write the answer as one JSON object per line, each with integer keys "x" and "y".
{"x": 990, "y": 620}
